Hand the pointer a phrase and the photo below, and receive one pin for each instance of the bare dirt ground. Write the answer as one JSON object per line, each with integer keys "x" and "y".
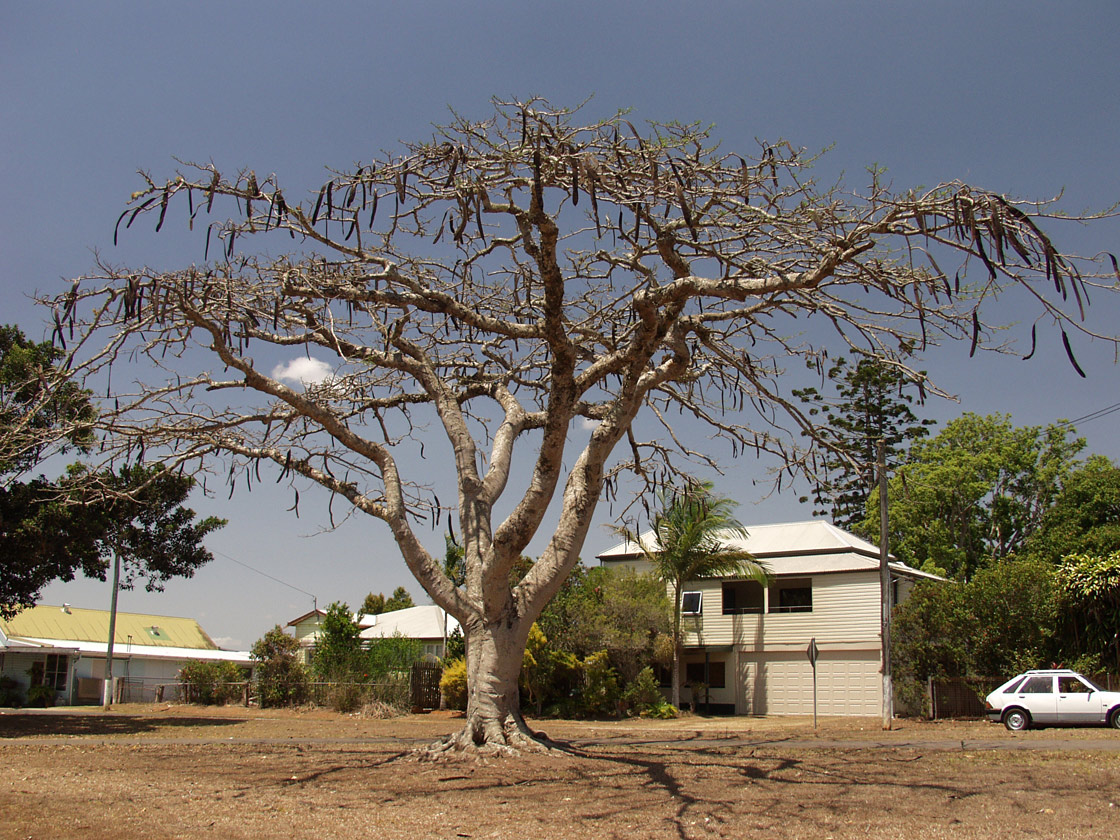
{"x": 181, "y": 771}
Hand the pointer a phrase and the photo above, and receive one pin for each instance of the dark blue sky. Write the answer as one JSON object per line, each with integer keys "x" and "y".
{"x": 1020, "y": 98}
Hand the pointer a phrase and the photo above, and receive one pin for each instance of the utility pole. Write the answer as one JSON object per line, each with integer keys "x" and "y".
{"x": 885, "y": 588}
{"x": 107, "y": 695}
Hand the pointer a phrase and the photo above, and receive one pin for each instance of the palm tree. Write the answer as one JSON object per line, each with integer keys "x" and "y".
{"x": 691, "y": 531}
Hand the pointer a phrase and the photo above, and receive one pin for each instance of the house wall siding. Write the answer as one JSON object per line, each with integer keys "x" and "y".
{"x": 845, "y": 611}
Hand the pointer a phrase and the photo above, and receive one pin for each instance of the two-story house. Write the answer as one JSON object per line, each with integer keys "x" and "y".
{"x": 747, "y": 643}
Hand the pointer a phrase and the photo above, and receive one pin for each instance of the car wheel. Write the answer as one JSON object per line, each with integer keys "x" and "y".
{"x": 1114, "y": 719}
{"x": 1017, "y": 720}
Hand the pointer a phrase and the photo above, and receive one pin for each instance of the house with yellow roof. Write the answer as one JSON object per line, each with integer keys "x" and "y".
{"x": 65, "y": 648}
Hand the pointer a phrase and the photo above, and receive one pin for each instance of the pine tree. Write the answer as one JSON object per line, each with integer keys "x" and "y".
{"x": 873, "y": 402}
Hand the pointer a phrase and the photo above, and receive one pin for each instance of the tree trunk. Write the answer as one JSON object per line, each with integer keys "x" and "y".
{"x": 676, "y": 692}
{"x": 494, "y": 723}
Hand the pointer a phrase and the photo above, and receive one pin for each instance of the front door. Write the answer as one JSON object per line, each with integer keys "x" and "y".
{"x": 1077, "y": 702}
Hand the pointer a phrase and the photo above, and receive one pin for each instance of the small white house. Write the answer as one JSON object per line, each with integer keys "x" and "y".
{"x": 429, "y": 624}
{"x": 748, "y": 643}
{"x": 66, "y": 647}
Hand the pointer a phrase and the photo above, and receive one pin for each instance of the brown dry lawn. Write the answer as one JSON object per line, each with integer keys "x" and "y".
{"x": 179, "y": 771}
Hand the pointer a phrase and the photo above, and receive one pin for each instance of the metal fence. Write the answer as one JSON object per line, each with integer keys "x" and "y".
{"x": 957, "y": 698}
{"x": 964, "y": 697}
{"x": 424, "y": 685}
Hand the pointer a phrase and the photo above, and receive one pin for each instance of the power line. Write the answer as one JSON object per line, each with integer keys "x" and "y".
{"x": 1095, "y": 415}
{"x": 310, "y": 595}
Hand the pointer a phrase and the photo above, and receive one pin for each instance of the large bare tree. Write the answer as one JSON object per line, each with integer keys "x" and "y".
{"x": 514, "y": 285}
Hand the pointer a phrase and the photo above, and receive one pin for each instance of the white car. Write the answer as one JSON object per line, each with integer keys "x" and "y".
{"x": 1052, "y": 698}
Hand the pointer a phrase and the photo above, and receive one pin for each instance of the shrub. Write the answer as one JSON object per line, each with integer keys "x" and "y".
{"x": 10, "y": 695}
{"x": 644, "y": 697}
{"x": 661, "y": 710}
{"x": 393, "y": 691}
{"x": 212, "y": 683}
{"x": 392, "y": 655}
{"x": 453, "y": 684}
{"x": 281, "y": 678}
{"x": 345, "y": 696}
{"x": 41, "y": 696}
{"x": 600, "y": 685}
{"x": 378, "y": 710}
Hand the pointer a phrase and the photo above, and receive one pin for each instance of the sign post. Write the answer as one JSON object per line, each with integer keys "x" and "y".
{"x": 812, "y": 652}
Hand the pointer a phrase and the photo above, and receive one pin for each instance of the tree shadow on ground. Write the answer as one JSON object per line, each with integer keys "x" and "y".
{"x": 31, "y": 724}
{"x": 780, "y": 775}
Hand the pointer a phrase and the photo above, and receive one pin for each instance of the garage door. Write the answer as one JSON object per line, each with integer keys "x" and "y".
{"x": 848, "y": 683}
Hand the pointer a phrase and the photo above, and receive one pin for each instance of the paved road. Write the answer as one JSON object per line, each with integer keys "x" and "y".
{"x": 923, "y": 737}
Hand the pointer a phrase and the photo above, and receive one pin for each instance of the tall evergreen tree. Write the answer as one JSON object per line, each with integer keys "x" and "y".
{"x": 873, "y": 402}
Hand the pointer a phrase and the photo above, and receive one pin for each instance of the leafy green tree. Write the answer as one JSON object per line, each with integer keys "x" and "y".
{"x": 52, "y": 530}
{"x": 926, "y": 638}
{"x": 690, "y": 532}
{"x": 456, "y": 647}
{"x": 616, "y": 610}
{"x": 454, "y": 561}
{"x": 873, "y": 403}
{"x": 399, "y": 600}
{"x": 1090, "y": 586}
{"x": 548, "y": 674}
{"x": 1011, "y": 618}
{"x": 1002, "y": 621}
{"x": 41, "y": 408}
{"x": 373, "y": 604}
{"x": 282, "y": 679}
{"x": 378, "y": 604}
{"x": 391, "y": 654}
{"x": 1085, "y": 516}
{"x": 338, "y": 646}
{"x": 212, "y": 683}
{"x": 974, "y": 492}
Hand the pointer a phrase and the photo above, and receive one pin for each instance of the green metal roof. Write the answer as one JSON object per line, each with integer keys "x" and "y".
{"x": 74, "y": 624}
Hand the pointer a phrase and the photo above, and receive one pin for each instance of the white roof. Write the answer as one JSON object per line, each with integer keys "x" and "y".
{"x": 814, "y": 546}
{"x": 425, "y": 622}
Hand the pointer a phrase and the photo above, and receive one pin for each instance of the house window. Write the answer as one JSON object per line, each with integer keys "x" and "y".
{"x": 694, "y": 673}
{"x": 790, "y": 596}
{"x": 54, "y": 674}
{"x": 742, "y": 596}
{"x": 691, "y": 603}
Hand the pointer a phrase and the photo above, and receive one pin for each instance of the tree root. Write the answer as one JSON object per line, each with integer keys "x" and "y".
{"x": 489, "y": 739}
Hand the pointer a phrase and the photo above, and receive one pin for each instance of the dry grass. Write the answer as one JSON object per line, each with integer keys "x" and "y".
{"x": 236, "y": 773}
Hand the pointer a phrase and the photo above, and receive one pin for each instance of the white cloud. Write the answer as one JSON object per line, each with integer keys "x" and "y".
{"x": 228, "y": 643}
{"x": 304, "y": 370}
